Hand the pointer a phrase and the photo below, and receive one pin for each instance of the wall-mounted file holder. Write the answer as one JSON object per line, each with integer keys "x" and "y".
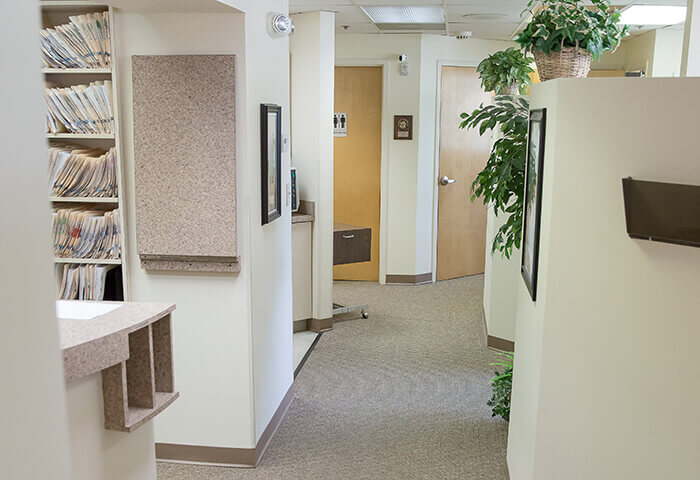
{"x": 185, "y": 162}
{"x": 662, "y": 212}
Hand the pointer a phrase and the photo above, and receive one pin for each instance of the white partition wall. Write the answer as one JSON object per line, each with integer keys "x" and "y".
{"x": 312, "y": 77}
{"x": 607, "y": 368}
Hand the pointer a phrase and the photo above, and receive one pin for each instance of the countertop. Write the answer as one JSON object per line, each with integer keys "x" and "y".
{"x": 90, "y": 345}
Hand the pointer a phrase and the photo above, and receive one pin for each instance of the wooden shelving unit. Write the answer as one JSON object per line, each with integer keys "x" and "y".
{"x": 95, "y": 261}
{"x": 57, "y": 13}
{"x": 81, "y": 136}
{"x": 77, "y": 71}
{"x": 114, "y": 200}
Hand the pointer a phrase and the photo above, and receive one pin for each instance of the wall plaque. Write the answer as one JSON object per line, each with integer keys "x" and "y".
{"x": 403, "y": 127}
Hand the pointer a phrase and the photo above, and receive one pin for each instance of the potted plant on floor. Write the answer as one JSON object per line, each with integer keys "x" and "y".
{"x": 506, "y": 72}
{"x": 502, "y": 387}
{"x": 565, "y": 35}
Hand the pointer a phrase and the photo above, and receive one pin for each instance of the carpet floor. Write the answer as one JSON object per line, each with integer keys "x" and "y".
{"x": 401, "y": 395}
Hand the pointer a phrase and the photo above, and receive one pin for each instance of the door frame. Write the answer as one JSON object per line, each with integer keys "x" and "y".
{"x": 387, "y": 126}
{"x": 436, "y": 163}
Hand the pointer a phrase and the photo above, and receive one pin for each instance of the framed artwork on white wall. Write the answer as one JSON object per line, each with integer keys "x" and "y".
{"x": 533, "y": 200}
{"x": 271, "y": 161}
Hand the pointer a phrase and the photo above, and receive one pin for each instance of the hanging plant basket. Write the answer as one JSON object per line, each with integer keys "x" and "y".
{"x": 571, "y": 62}
{"x": 512, "y": 89}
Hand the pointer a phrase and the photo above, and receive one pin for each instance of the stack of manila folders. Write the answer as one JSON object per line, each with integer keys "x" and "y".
{"x": 81, "y": 109}
{"x": 82, "y": 43}
{"x": 76, "y": 171}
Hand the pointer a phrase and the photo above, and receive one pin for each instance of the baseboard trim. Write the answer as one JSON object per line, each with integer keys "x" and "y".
{"x": 226, "y": 456}
{"x": 500, "y": 343}
{"x": 320, "y": 324}
{"x": 496, "y": 342}
{"x": 300, "y": 325}
{"x": 274, "y": 424}
{"x": 410, "y": 279}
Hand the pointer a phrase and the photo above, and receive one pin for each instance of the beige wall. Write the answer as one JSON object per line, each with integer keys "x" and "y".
{"x": 656, "y": 52}
{"x": 33, "y": 424}
{"x": 608, "y": 349}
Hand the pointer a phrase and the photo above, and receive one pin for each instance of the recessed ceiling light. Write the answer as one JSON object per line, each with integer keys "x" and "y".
{"x": 399, "y": 14}
{"x": 484, "y": 17}
{"x": 652, "y": 15}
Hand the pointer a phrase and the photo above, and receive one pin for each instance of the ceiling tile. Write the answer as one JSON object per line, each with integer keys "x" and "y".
{"x": 344, "y": 14}
{"x": 486, "y": 30}
{"x": 357, "y": 28}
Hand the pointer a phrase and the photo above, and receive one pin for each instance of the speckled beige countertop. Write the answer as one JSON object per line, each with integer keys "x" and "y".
{"x": 92, "y": 345}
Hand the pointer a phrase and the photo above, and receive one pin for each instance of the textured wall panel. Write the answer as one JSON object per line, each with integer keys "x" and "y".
{"x": 185, "y": 161}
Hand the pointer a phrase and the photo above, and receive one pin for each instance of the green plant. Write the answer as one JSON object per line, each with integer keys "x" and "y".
{"x": 502, "y": 387}
{"x": 569, "y": 23}
{"x": 498, "y": 72}
{"x": 501, "y": 182}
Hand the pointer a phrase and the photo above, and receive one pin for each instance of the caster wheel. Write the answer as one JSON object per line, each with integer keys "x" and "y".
{"x": 365, "y": 314}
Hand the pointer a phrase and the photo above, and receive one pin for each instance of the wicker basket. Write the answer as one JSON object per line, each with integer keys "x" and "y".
{"x": 571, "y": 62}
{"x": 513, "y": 89}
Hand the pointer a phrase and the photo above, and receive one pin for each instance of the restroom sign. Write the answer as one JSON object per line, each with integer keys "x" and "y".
{"x": 340, "y": 124}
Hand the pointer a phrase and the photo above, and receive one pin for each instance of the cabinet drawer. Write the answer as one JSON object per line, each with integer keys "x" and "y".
{"x": 352, "y": 245}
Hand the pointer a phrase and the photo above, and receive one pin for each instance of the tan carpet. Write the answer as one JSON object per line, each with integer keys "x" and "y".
{"x": 401, "y": 395}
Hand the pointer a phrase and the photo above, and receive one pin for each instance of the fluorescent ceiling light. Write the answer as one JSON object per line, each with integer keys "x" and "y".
{"x": 652, "y": 15}
{"x": 398, "y": 14}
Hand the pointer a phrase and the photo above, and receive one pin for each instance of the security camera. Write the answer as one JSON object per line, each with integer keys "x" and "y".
{"x": 403, "y": 57}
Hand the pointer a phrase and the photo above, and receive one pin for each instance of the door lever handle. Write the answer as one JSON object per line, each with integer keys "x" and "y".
{"x": 445, "y": 180}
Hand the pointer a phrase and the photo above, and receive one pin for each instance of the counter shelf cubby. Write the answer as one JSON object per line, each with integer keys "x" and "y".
{"x": 132, "y": 347}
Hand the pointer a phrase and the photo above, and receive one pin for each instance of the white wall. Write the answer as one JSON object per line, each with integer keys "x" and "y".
{"x": 313, "y": 79}
{"x": 101, "y": 454}
{"x": 411, "y": 164}
{"x": 232, "y": 341}
{"x": 267, "y": 71}
{"x": 639, "y": 53}
{"x": 657, "y": 52}
{"x": 211, "y": 329}
{"x": 608, "y": 349}
{"x": 33, "y": 425}
{"x": 668, "y": 49}
{"x": 690, "y": 58}
{"x": 501, "y": 275}
{"x": 402, "y": 162}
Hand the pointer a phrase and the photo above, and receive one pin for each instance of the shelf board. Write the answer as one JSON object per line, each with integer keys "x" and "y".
{"x": 81, "y": 135}
{"x": 102, "y": 71}
{"x": 62, "y": 5}
{"x": 135, "y": 417}
{"x": 96, "y": 261}
{"x": 85, "y": 199}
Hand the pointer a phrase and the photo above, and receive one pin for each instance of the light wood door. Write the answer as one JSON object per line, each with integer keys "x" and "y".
{"x": 461, "y": 241}
{"x": 357, "y": 161}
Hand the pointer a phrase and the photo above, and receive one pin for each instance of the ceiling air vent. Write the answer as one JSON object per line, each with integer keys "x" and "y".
{"x": 410, "y": 27}
{"x": 395, "y": 18}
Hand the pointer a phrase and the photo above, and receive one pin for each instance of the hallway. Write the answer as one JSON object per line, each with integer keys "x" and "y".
{"x": 401, "y": 395}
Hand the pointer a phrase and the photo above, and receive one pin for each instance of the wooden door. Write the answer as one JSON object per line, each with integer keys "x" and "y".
{"x": 357, "y": 161}
{"x": 461, "y": 241}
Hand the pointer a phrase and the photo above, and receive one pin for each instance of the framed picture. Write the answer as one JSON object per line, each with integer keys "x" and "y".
{"x": 271, "y": 161}
{"x": 533, "y": 200}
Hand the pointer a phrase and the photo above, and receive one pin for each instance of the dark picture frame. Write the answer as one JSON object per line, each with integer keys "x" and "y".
{"x": 270, "y": 161}
{"x": 533, "y": 200}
